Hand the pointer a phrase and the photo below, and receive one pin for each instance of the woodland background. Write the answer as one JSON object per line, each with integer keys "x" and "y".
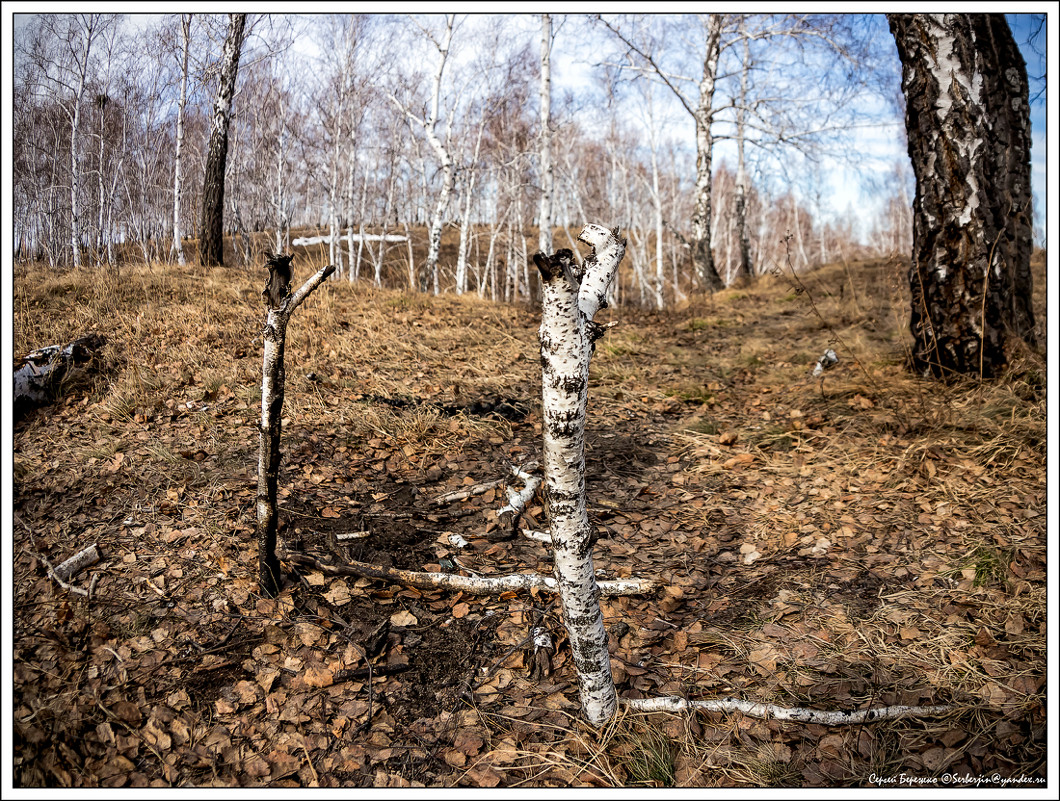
{"x": 359, "y": 124}
{"x": 868, "y": 537}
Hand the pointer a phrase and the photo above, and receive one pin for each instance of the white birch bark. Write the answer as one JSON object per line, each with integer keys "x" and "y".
{"x": 472, "y": 585}
{"x": 43, "y": 372}
{"x": 803, "y": 715}
{"x": 571, "y": 298}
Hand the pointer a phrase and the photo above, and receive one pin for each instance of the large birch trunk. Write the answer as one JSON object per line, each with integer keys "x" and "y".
{"x": 571, "y": 297}
{"x": 968, "y": 123}
{"x": 211, "y": 228}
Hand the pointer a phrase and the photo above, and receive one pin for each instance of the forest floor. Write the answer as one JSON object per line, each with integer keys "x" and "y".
{"x": 870, "y": 539}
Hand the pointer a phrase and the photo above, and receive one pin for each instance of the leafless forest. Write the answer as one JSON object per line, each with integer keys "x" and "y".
{"x": 359, "y": 128}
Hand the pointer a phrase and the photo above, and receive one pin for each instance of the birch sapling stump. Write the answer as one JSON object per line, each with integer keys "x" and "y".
{"x": 571, "y": 297}
{"x": 280, "y": 305}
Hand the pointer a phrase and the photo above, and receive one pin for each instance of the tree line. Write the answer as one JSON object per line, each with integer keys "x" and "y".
{"x": 142, "y": 137}
{"x": 437, "y": 121}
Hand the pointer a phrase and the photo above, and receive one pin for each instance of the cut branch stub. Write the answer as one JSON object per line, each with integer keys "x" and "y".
{"x": 279, "y": 285}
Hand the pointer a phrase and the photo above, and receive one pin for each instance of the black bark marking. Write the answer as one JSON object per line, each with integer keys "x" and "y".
{"x": 556, "y": 266}
{"x": 278, "y": 287}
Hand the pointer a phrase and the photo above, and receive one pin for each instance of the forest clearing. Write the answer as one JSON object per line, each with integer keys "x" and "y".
{"x": 864, "y": 538}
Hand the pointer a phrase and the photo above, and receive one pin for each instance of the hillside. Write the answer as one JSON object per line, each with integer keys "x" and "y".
{"x": 869, "y": 539}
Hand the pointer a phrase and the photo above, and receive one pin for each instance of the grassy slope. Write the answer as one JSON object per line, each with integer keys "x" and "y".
{"x": 872, "y": 539}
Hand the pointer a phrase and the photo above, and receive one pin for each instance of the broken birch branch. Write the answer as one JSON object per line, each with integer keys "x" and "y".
{"x": 468, "y": 492}
{"x": 79, "y": 561}
{"x": 41, "y": 374}
{"x": 766, "y": 711}
{"x": 473, "y": 585}
{"x": 518, "y": 499}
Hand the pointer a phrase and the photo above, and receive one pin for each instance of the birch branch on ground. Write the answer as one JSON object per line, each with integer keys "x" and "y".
{"x": 473, "y": 585}
{"x": 280, "y": 305}
{"x": 78, "y": 562}
{"x": 518, "y": 499}
{"x": 42, "y": 373}
{"x": 766, "y": 711}
{"x": 572, "y": 295}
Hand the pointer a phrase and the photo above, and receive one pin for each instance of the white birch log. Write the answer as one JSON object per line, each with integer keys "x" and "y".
{"x": 473, "y": 585}
{"x": 42, "y": 373}
{"x": 281, "y": 304}
{"x": 305, "y": 241}
{"x": 79, "y": 561}
{"x": 571, "y": 297}
{"x": 766, "y": 711}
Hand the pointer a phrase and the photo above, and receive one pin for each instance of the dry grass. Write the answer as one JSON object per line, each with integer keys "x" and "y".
{"x": 930, "y": 497}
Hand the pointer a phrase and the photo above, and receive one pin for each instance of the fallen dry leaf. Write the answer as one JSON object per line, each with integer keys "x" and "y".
{"x": 403, "y": 618}
{"x": 316, "y": 676}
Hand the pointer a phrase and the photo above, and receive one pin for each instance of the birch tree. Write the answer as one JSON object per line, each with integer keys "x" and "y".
{"x": 211, "y": 228}
{"x": 745, "y": 270}
{"x": 968, "y": 125}
{"x": 439, "y": 141}
{"x": 571, "y": 296}
{"x": 697, "y": 98}
{"x": 62, "y": 50}
{"x": 182, "y": 104}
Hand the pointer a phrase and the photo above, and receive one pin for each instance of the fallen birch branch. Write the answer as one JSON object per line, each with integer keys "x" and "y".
{"x": 522, "y": 473}
{"x": 473, "y": 585}
{"x": 42, "y": 373}
{"x": 517, "y": 500}
{"x": 79, "y": 561}
{"x": 52, "y": 571}
{"x": 467, "y": 492}
{"x": 766, "y": 711}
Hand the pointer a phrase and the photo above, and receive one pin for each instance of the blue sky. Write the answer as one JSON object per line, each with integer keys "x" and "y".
{"x": 880, "y": 147}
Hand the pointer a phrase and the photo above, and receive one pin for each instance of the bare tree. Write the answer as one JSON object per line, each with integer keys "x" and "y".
{"x": 211, "y": 228}
{"x": 439, "y": 142}
{"x": 544, "y": 242}
{"x": 700, "y": 106}
{"x": 62, "y": 50}
{"x": 182, "y": 104}
{"x": 968, "y": 124}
